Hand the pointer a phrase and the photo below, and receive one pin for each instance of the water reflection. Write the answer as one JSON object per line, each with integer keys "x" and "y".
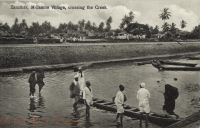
{"x": 32, "y": 105}
{"x": 41, "y": 103}
{"x": 38, "y": 104}
{"x": 87, "y": 122}
{"x": 36, "y": 108}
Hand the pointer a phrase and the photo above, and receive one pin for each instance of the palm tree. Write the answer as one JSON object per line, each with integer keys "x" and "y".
{"x": 156, "y": 30}
{"x": 165, "y": 27}
{"x": 183, "y": 24}
{"x": 173, "y": 28}
{"x": 123, "y": 22}
{"x": 165, "y": 15}
{"x": 126, "y": 20}
{"x": 24, "y": 25}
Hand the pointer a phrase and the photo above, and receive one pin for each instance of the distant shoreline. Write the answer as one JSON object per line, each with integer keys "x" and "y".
{"x": 21, "y": 55}
{"x": 52, "y": 41}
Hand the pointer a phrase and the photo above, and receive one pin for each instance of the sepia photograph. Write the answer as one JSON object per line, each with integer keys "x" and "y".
{"x": 99, "y": 64}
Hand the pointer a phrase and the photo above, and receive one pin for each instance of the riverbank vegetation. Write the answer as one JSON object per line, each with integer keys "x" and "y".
{"x": 83, "y": 30}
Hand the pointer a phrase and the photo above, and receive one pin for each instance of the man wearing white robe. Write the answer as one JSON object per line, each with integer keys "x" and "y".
{"x": 119, "y": 102}
{"x": 87, "y": 97}
{"x": 81, "y": 78}
{"x": 143, "y": 97}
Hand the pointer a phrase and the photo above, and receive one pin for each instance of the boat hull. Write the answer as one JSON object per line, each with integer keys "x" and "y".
{"x": 159, "y": 66}
{"x": 134, "y": 112}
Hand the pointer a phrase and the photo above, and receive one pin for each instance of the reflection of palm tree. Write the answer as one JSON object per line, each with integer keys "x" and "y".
{"x": 165, "y": 14}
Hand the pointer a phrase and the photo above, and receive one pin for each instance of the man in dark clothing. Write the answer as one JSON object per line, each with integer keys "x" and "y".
{"x": 32, "y": 82}
{"x": 75, "y": 93}
{"x": 40, "y": 77}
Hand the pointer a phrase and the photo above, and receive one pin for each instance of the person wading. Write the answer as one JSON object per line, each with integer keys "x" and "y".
{"x": 143, "y": 97}
{"x": 40, "y": 77}
{"x": 75, "y": 93}
{"x": 81, "y": 79}
{"x": 32, "y": 82}
{"x": 87, "y": 97}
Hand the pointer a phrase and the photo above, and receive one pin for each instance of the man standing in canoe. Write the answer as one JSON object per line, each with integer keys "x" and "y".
{"x": 119, "y": 101}
{"x": 143, "y": 97}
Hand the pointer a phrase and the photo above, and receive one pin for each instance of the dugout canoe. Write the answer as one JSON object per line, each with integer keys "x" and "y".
{"x": 160, "y": 67}
{"x": 159, "y": 119}
{"x": 177, "y": 63}
{"x": 193, "y": 58}
{"x": 169, "y": 63}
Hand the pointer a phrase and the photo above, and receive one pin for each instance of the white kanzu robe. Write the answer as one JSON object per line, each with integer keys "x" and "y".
{"x": 119, "y": 101}
{"x": 88, "y": 95}
{"x": 81, "y": 81}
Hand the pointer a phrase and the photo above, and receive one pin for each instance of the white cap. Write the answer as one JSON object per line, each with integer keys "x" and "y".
{"x": 142, "y": 85}
{"x": 76, "y": 76}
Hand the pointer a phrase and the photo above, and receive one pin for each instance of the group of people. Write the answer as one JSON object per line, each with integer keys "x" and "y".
{"x": 81, "y": 92}
{"x": 143, "y": 97}
{"x": 36, "y": 78}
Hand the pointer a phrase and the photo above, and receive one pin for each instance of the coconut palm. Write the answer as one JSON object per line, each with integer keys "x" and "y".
{"x": 156, "y": 29}
{"x": 165, "y": 15}
{"x": 173, "y": 28}
{"x": 126, "y": 20}
{"x": 183, "y": 24}
{"x": 24, "y": 25}
{"x": 165, "y": 27}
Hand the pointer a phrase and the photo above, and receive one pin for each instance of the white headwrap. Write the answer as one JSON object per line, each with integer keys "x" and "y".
{"x": 142, "y": 85}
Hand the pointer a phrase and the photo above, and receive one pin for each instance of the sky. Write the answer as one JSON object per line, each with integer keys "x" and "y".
{"x": 145, "y": 11}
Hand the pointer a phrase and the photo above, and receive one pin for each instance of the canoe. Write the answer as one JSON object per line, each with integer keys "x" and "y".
{"x": 169, "y": 63}
{"x": 158, "y": 119}
{"x": 177, "y": 63}
{"x": 159, "y": 66}
{"x": 193, "y": 58}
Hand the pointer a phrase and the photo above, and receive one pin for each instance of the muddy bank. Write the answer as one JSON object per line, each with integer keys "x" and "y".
{"x": 34, "y": 55}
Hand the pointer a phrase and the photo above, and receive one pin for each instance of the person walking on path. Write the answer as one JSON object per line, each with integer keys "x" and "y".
{"x": 88, "y": 97}
{"x": 143, "y": 97}
{"x": 75, "y": 93}
{"x": 32, "y": 82}
{"x": 119, "y": 102}
{"x": 40, "y": 77}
